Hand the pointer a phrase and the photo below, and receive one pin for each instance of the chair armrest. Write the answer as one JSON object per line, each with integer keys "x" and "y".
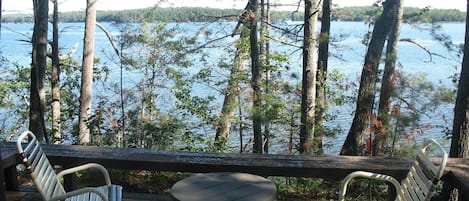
{"x": 30, "y": 145}
{"x": 369, "y": 175}
{"x": 99, "y": 167}
{"x": 79, "y": 192}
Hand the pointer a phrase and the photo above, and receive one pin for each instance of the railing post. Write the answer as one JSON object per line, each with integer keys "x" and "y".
{"x": 391, "y": 192}
{"x": 2, "y": 179}
{"x": 70, "y": 182}
{"x": 11, "y": 178}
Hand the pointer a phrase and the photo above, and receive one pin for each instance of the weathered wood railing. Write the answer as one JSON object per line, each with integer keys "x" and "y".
{"x": 326, "y": 167}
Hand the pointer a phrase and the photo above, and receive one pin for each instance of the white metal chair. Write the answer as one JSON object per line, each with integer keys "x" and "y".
{"x": 49, "y": 183}
{"x": 419, "y": 183}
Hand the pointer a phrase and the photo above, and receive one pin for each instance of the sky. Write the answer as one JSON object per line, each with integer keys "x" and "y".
{"x": 25, "y": 6}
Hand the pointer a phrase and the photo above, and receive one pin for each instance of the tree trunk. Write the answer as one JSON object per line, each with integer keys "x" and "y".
{"x": 229, "y": 103}
{"x": 366, "y": 92}
{"x": 143, "y": 117}
{"x": 87, "y": 72}
{"x": 460, "y": 138}
{"x": 460, "y": 135}
{"x": 256, "y": 77}
{"x": 240, "y": 123}
{"x": 321, "y": 77}
{"x": 38, "y": 67}
{"x": 265, "y": 52}
{"x": 308, "y": 96}
{"x": 388, "y": 82}
{"x": 55, "y": 76}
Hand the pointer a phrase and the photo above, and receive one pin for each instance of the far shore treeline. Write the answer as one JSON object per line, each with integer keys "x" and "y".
{"x": 186, "y": 14}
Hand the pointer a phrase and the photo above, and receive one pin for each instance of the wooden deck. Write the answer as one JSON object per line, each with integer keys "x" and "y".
{"x": 326, "y": 167}
{"x": 29, "y": 193}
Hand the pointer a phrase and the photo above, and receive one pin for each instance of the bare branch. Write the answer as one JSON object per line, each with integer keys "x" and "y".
{"x": 284, "y": 42}
{"x": 109, "y": 36}
{"x": 430, "y": 54}
{"x": 208, "y": 43}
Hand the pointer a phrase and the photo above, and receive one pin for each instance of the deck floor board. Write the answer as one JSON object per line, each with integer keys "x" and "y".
{"x": 29, "y": 193}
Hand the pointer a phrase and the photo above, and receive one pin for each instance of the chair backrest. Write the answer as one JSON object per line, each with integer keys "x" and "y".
{"x": 420, "y": 182}
{"x": 38, "y": 166}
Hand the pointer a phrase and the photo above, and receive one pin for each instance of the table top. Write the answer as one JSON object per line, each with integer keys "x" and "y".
{"x": 224, "y": 186}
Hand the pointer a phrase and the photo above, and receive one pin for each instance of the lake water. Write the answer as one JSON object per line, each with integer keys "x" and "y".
{"x": 347, "y": 55}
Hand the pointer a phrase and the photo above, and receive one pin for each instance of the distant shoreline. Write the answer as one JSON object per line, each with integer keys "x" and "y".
{"x": 197, "y": 14}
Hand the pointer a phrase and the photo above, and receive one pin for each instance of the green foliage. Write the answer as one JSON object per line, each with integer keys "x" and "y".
{"x": 139, "y": 181}
{"x": 414, "y": 98}
{"x": 433, "y": 15}
{"x": 195, "y": 105}
{"x": 14, "y": 102}
{"x": 338, "y": 88}
{"x": 436, "y": 31}
{"x": 410, "y": 14}
{"x": 365, "y": 189}
{"x": 160, "y": 53}
{"x": 159, "y": 134}
{"x": 273, "y": 109}
{"x": 300, "y": 189}
{"x": 187, "y": 14}
{"x": 14, "y": 87}
{"x": 69, "y": 92}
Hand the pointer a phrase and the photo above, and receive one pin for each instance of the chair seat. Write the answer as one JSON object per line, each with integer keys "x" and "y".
{"x": 114, "y": 195}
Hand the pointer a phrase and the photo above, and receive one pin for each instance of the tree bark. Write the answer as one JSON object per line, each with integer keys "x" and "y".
{"x": 388, "y": 82}
{"x": 87, "y": 72}
{"x": 55, "y": 76}
{"x": 229, "y": 103}
{"x": 321, "y": 77}
{"x": 366, "y": 92}
{"x": 256, "y": 77}
{"x": 460, "y": 137}
{"x": 38, "y": 67}
{"x": 460, "y": 134}
{"x": 308, "y": 96}
{"x": 264, "y": 53}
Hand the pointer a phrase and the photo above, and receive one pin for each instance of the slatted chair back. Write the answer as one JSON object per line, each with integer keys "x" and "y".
{"x": 39, "y": 167}
{"x": 49, "y": 183}
{"x": 419, "y": 184}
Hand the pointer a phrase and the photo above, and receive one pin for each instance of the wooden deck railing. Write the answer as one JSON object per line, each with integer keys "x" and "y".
{"x": 326, "y": 167}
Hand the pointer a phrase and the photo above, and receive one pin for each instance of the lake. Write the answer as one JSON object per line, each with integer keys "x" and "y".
{"x": 347, "y": 55}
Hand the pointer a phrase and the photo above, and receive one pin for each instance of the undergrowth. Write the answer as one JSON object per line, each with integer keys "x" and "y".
{"x": 288, "y": 188}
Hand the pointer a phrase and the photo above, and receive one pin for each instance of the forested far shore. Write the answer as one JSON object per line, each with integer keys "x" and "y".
{"x": 196, "y": 14}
